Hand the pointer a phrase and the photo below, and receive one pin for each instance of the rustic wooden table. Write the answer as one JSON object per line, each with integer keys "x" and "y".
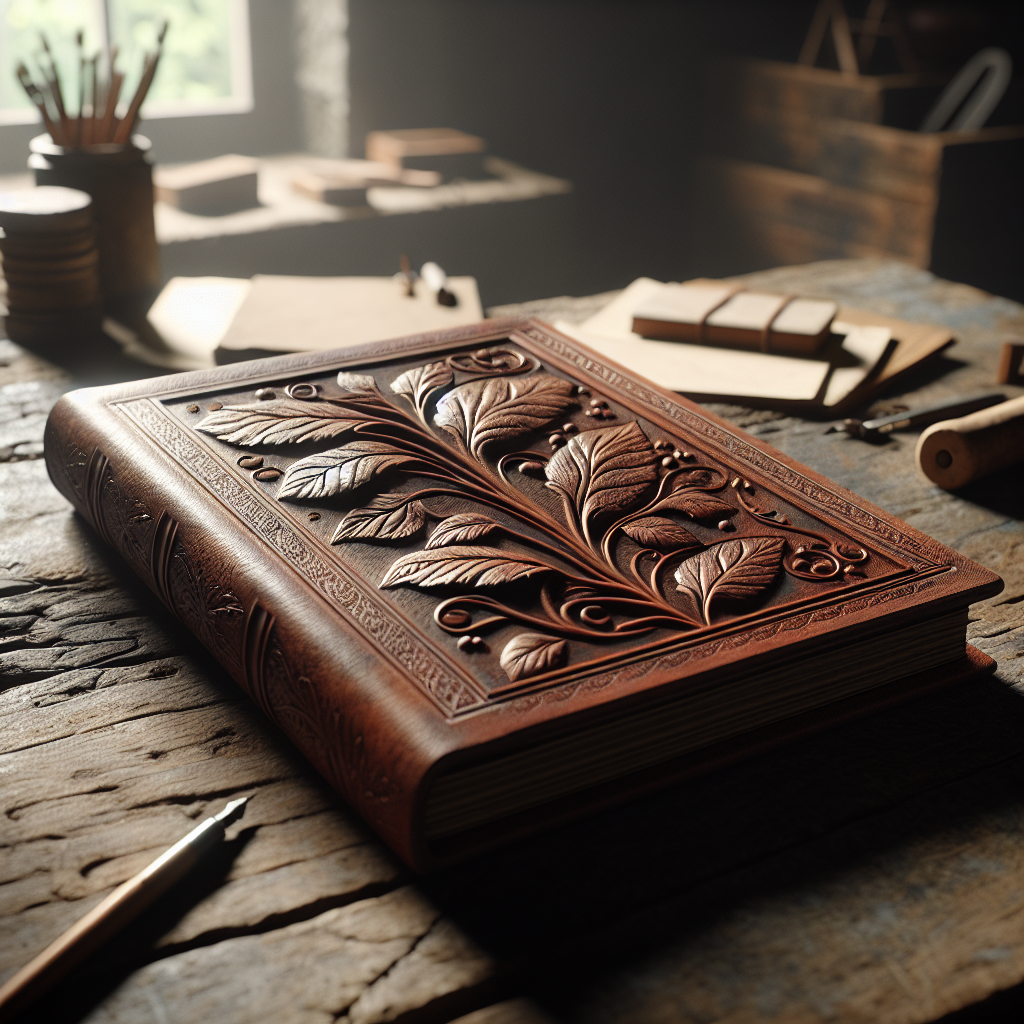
{"x": 872, "y": 873}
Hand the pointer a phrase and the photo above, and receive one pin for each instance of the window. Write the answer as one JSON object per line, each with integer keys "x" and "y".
{"x": 205, "y": 67}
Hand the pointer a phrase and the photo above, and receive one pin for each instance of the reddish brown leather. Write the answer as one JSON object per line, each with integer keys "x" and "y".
{"x": 278, "y": 511}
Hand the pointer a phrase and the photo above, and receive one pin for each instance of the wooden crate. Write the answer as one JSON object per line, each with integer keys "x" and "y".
{"x": 785, "y": 216}
{"x": 755, "y": 89}
{"x": 792, "y": 182}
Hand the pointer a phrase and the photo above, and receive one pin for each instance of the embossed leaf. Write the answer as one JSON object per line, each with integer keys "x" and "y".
{"x": 499, "y": 408}
{"x": 462, "y": 529}
{"x": 340, "y": 469}
{"x": 605, "y": 470}
{"x": 421, "y": 380}
{"x": 736, "y": 570}
{"x": 279, "y": 421}
{"x": 529, "y": 654}
{"x": 656, "y": 532}
{"x": 388, "y": 517}
{"x": 696, "y": 506}
{"x": 356, "y": 381}
{"x": 477, "y": 566}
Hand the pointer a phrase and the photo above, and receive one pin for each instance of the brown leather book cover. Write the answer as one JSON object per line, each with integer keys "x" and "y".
{"x": 483, "y": 579}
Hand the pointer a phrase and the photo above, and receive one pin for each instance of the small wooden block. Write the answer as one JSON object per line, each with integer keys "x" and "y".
{"x": 801, "y": 326}
{"x": 747, "y": 311}
{"x": 1010, "y": 364}
{"x": 211, "y": 187}
{"x": 677, "y": 311}
{"x": 720, "y": 314}
{"x": 344, "y": 182}
{"x": 392, "y": 146}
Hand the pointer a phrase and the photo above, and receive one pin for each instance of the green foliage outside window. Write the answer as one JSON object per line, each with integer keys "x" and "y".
{"x": 196, "y": 69}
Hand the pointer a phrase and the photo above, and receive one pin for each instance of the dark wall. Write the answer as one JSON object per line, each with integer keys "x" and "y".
{"x": 609, "y": 95}
{"x": 602, "y": 93}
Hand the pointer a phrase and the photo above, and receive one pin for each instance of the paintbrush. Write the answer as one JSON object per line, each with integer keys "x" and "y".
{"x": 35, "y": 94}
{"x": 114, "y": 82}
{"x": 53, "y": 81}
{"x": 79, "y": 43}
{"x": 127, "y": 125}
{"x": 96, "y": 94}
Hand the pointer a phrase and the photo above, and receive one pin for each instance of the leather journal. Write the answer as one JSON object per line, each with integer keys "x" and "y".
{"x": 486, "y": 580}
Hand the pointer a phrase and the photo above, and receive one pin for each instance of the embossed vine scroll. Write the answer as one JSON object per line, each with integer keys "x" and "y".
{"x": 611, "y": 558}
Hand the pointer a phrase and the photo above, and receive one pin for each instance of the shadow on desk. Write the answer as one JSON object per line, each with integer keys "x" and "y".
{"x": 608, "y": 909}
{"x": 1002, "y": 492}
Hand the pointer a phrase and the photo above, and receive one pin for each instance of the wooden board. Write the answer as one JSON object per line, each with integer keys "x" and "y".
{"x": 869, "y": 873}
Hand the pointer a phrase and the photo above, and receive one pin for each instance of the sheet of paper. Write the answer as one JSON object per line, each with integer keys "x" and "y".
{"x": 704, "y": 370}
{"x": 305, "y": 314}
{"x": 864, "y": 346}
{"x": 192, "y": 314}
{"x": 694, "y": 369}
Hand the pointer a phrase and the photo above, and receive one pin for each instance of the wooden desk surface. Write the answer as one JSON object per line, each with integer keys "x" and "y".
{"x": 872, "y": 873}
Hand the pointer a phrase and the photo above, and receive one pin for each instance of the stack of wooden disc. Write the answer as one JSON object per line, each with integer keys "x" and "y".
{"x": 50, "y": 263}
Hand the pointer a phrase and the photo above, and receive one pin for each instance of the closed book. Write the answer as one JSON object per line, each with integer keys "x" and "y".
{"x": 486, "y": 580}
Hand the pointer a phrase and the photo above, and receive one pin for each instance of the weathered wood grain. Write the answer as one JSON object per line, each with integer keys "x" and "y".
{"x": 366, "y": 963}
{"x": 760, "y": 87}
{"x": 871, "y": 157}
{"x": 870, "y": 873}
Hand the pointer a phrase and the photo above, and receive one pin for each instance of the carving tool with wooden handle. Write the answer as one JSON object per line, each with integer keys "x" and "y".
{"x": 878, "y": 428}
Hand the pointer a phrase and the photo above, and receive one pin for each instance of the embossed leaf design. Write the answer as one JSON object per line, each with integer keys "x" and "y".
{"x": 605, "y": 470}
{"x": 340, "y": 469}
{"x": 483, "y": 411}
{"x": 529, "y": 654}
{"x": 279, "y": 421}
{"x": 419, "y": 382}
{"x": 388, "y": 517}
{"x": 462, "y": 529}
{"x": 737, "y": 570}
{"x": 477, "y": 566}
{"x": 696, "y": 506}
{"x": 656, "y": 532}
{"x": 356, "y": 381}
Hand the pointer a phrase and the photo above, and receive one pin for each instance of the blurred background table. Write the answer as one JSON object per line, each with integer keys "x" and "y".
{"x": 871, "y": 873}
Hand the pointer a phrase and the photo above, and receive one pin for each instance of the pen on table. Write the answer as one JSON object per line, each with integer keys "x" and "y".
{"x": 877, "y": 429}
{"x": 107, "y": 918}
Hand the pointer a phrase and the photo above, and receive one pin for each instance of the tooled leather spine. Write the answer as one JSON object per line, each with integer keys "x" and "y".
{"x": 89, "y": 462}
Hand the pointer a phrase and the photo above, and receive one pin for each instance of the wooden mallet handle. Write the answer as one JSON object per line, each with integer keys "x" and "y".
{"x": 955, "y": 452}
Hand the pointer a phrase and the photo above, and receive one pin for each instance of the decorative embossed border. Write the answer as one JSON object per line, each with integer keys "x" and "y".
{"x": 453, "y": 691}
